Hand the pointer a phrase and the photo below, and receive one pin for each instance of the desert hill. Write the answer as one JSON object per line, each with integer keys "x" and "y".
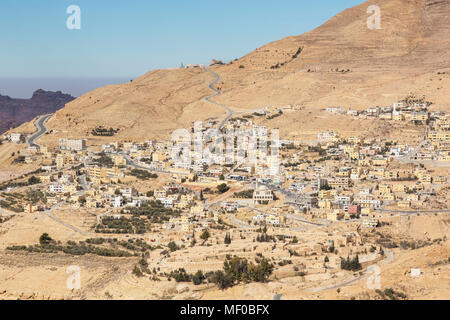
{"x": 342, "y": 62}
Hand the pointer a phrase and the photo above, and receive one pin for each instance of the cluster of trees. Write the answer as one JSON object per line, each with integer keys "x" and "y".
{"x": 246, "y": 194}
{"x": 123, "y": 225}
{"x": 325, "y": 187}
{"x": 48, "y": 245}
{"x": 31, "y": 181}
{"x": 297, "y": 53}
{"x": 35, "y": 196}
{"x": 100, "y": 131}
{"x": 411, "y": 99}
{"x": 222, "y": 188}
{"x": 391, "y": 294}
{"x": 413, "y": 245}
{"x": 135, "y": 245}
{"x": 155, "y": 212}
{"x": 104, "y": 160}
{"x": 10, "y": 203}
{"x": 143, "y": 174}
{"x": 264, "y": 237}
{"x": 205, "y": 235}
{"x": 351, "y": 264}
{"x": 236, "y": 270}
{"x": 173, "y": 246}
{"x": 181, "y": 275}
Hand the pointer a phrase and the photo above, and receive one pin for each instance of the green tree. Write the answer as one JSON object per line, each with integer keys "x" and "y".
{"x": 172, "y": 246}
{"x": 222, "y": 188}
{"x": 227, "y": 239}
{"x": 33, "y": 180}
{"x": 137, "y": 272}
{"x": 205, "y": 235}
{"x": 198, "y": 278}
{"x": 45, "y": 239}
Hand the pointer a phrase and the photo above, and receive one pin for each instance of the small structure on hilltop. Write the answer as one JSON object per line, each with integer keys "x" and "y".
{"x": 214, "y": 62}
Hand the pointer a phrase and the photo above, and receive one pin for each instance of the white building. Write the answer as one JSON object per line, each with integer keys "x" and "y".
{"x": 56, "y": 188}
{"x": 259, "y": 131}
{"x": 167, "y": 202}
{"x": 328, "y": 136}
{"x": 262, "y": 194}
{"x": 116, "y": 202}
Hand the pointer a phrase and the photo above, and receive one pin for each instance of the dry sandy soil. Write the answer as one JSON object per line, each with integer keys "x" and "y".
{"x": 383, "y": 66}
{"x": 44, "y": 276}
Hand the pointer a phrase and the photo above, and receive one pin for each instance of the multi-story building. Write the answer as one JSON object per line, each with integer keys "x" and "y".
{"x": 262, "y": 194}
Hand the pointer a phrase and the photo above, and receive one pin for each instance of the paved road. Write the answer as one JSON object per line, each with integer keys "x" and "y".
{"x": 134, "y": 164}
{"x": 50, "y": 215}
{"x": 291, "y": 216}
{"x": 217, "y": 93}
{"x": 41, "y": 130}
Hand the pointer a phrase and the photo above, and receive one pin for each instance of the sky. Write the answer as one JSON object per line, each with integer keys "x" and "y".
{"x": 123, "y": 39}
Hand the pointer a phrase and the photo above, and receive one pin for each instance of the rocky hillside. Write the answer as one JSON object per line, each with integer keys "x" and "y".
{"x": 14, "y": 112}
{"x": 342, "y": 62}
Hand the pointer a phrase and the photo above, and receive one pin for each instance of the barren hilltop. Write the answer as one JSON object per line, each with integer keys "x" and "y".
{"x": 342, "y": 62}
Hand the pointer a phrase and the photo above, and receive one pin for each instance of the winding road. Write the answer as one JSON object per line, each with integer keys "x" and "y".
{"x": 41, "y": 129}
{"x": 217, "y": 93}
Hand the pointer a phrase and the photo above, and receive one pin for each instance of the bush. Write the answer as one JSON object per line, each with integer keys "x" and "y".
{"x": 237, "y": 270}
{"x": 351, "y": 265}
{"x": 222, "y": 188}
{"x": 45, "y": 239}
{"x": 227, "y": 239}
{"x": 180, "y": 275}
{"x": 198, "y": 278}
{"x": 173, "y": 246}
{"x": 205, "y": 235}
{"x": 137, "y": 272}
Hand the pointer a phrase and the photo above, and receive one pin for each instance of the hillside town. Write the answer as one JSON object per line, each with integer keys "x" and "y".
{"x": 321, "y": 200}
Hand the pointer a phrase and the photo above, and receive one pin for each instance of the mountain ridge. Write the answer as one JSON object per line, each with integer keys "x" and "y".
{"x": 342, "y": 62}
{"x": 14, "y": 112}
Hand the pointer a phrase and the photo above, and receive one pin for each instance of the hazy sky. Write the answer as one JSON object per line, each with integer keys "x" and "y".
{"x": 126, "y": 38}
